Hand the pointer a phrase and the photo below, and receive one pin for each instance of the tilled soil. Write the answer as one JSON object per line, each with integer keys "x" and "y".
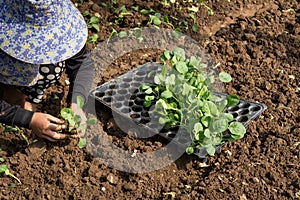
{"x": 257, "y": 42}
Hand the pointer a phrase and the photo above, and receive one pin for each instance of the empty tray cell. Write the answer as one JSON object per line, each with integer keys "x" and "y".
{"x": 145, "y": 120}
{"x": 99, "y": 94}
{"x": 136, "y": 108}
{"x": 125, "y": 85}
{"x": 244, "y": 111}
{"x": 139, "y": 101}
{"x": 233, "y": 109}
{"x": 122, "y": 91}
{"x": 108, "y": 99}
{"x": 244, "y": 105}
{"x": 127, "y": 80}
{"x": 141, "y": 73}
{"x": 119, "y": 98}
{"x": 113, "y": 86}
{"x": 117, "y": 105}
{"x": 110, "y": 92}
{"x": 242, "y": 119}
{"x": 135, "y": 85}
{"x": 125, "y": 110}
{"x": 235, "y": 115}
{"x": 145, "y": 114}
{"x": 255, "y": 108}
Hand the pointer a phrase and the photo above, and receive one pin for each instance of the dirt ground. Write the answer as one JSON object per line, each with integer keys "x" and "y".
{"x": 256, "y": 41}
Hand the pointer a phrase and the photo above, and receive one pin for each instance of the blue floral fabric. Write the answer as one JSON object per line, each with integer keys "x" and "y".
{"x": 14, "y": 72}
{"x": 41, "y": 32}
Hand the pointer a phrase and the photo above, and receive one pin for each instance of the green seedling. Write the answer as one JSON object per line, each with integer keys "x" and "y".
{"x": 144, "y": 11}
{"x": 167, "y": 21}
{"x": 113, "y": 32}
{"x": 74, "y": 120}
{"x": 182, "y": 96}
{"x": 122, "y": 34}
{"x": 93, "y": 22}
{"x": 155, "y": 19}
{"x": 135, "y": 8}
{"x": 104, "y": 5}
{"x": 209, "y": 10}
{"x": 121, "y": 12}
{"x": 93, "y": 39}
{"x": 4, "y": 169}
{"x": 195, "y": 27}
{"x": 87, "y": 13}
{"x": 177, "y": 33}
{"x": 16, "y": 129}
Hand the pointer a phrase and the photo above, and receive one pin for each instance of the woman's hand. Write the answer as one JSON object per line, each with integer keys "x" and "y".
{"x": 46, "y": 126}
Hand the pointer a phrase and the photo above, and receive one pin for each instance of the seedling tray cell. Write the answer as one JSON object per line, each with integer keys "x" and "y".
{"x": 123, "y": 97}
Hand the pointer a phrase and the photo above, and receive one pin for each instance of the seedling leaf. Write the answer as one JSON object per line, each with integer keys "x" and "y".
{"x": 96, "y": 26}
{"x": 218, "y": 126}
{"x": 82, "y": 143}
{"x": 167, "y": 94}
{"x": 198, "y": 127}
{"x": 3, "y": 168}
{"x": 195, "y": 28}
{"x": 210, "y": 149}
{"x": 225, "y": 77}
{"x": 77, "y": 118}
{"x": 67, "y": 113}
{"x": 232, "y": 100}
{"x": 91, "y": 121}
{"x": 94, "y": 20}
{"x": 181, "y": 67}
{"x": 237, "y": 129}
{"x": 189, "y": 150}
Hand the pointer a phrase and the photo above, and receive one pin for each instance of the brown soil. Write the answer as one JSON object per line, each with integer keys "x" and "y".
{"x": 257, "y": 42}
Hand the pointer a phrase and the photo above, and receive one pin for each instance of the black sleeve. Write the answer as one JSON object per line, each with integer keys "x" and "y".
{"x": 80, "y": 70}
{"x": 14, "y": 115}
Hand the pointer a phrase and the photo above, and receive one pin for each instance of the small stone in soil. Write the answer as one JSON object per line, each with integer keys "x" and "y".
{"x": 112, "y": 179}
{"x": 129, "y": 186}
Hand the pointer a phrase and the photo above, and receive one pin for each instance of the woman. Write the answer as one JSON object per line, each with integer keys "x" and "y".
{"x": 38, "y": 41}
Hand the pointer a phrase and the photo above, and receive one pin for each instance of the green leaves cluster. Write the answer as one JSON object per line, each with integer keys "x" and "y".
{"x": 74, "y": 120}
{"x": 183, "y": 96}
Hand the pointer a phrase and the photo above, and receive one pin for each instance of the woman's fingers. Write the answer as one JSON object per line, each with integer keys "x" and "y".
{"x": 56, "y": 136}
{"x": 55, "y": 120}
{"x": 57, "y": 127}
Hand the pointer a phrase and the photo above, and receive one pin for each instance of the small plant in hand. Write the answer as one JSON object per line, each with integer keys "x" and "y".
{"x": 74, "y": 121}
{"x": 182, "y": 96}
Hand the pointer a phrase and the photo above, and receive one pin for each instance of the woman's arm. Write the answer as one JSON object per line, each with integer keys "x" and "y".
{"x": 80, "y": 70}
{"x": 14, "y": 115}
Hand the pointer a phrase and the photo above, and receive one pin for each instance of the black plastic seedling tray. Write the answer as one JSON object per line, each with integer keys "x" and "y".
{"x": 123, "y": 97}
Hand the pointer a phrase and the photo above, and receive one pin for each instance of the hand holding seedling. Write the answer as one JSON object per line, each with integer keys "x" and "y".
{"x": 77, "y": 120}
{"x": 47, "y": 126}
